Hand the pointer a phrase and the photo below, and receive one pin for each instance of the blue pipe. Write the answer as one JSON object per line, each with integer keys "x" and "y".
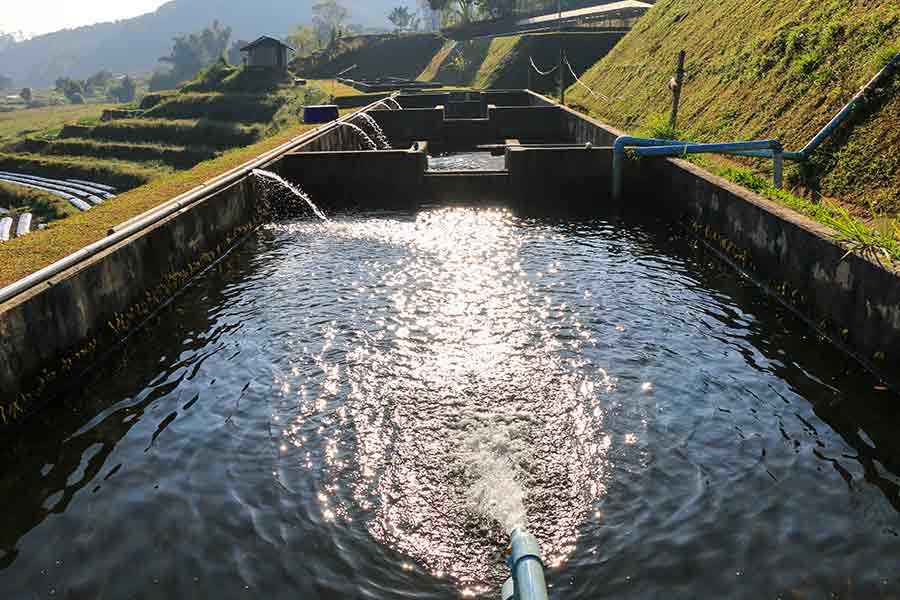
{"x": 762, "y": 149}
{"x": 527, "y": 581}
{"x": 720, "y": 148}
{"x": 655, "y": 147}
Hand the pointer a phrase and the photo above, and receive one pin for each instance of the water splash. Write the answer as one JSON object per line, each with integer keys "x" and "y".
{"x": 388, "y": 106}
{"x": 493, "y": 458}
{"x": 296, "y": 191}
{"x": 363, "y": 136}
{"x": 375, "y": 128}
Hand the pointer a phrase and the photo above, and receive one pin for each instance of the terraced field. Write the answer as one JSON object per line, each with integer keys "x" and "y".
{"x": 126, "y": 147}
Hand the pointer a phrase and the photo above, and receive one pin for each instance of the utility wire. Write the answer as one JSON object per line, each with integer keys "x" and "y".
{"x": 534, "y": 66}
{"x": 582, "y": 84}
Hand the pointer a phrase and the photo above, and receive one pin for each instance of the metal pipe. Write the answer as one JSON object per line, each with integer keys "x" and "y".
{"x": 618, "y": 167}
{"x": 857, "y": 100}
{"x": 655, "y": 147}
{"x": 718, "y": 148}
{"x": 156, "y": 215}
{"x": 528, "y": 582}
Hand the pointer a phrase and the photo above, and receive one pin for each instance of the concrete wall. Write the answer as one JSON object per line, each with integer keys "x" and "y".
{"x": 51, "y": 320}
{"x": 386, "y": 179}
{"x": 402, "y": 126}
{"x": 58, "y": 319}
{"x": 857, "y": 298}
{"x": 529, "y": 123}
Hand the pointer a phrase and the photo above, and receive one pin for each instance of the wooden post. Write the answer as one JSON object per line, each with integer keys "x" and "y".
{"x": 562, "y": 85}
{"x": 676, "y": 84}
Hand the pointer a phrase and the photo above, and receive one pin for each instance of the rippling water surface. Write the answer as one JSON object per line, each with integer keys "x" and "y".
{"x": 361, "y": 408}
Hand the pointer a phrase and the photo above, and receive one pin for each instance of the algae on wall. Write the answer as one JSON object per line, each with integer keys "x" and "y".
{"x": 765, "y": 69}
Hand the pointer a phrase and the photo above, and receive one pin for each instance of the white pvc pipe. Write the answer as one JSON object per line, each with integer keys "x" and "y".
{"x": 23, "y": 227}
{"x": 161, "y": 212}
{"x": 5, "y": 226}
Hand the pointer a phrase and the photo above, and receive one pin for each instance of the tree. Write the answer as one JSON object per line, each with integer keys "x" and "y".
{"x": 25, "y": 94}
{"x": 403, "y": 19}
{"x": 497, "y": 8}
{"x": 6, "y": 83}
{"x": 430, "y": 15}
{"x": 97, "y": 82}
{"x": 192, "y": 53}
{"x": 73, "y": 89}
{"x": 126, "y": 91}
{"x": 303, "y": 39}
{"x": 328, "y": 16}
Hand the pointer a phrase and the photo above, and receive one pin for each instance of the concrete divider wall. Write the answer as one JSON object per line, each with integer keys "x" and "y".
{"x": 53, "y": 319}
{"x": 857, "y": 299}
{"x": 534, "y": 123}
{"x": 357, "y": 179}
{"x": 401, "y": 126}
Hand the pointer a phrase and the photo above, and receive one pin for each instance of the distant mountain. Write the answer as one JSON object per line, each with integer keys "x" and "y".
{"x": 134, "y": 45}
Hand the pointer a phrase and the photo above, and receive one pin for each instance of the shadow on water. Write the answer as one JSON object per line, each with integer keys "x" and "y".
{"x": 742, "y": 451}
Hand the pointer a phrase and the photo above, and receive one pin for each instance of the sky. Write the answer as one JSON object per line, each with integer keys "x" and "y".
{"x": 34, "y": 17}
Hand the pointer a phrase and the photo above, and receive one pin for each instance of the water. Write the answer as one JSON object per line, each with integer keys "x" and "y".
{"x": 375, "y": 129}
{"x": 467, "y": 161}
{"x": 363, "y": 136}
{"x": 361, "y": 408}
{"x": 384, "y": 103}
{"x": 281, "y": 198}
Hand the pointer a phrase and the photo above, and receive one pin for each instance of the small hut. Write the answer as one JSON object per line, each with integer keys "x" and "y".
{"x": 267, "y": 53}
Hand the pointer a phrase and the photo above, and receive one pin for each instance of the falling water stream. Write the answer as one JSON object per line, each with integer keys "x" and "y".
{"x": 374, "y": 128}
{"x": 364, "y": 407}
{"x": 367, "y": 141}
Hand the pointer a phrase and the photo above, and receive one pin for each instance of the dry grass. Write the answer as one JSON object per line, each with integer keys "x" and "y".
{"x": 23, "y": 122}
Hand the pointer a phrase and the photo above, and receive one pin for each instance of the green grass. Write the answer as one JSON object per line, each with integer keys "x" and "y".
{"x": 234, "y": 107}
{"x": 181, "y": 157}
{"x": 217, "y": 134}
{"x": 398, "y": 55}
{"x": 22, "y": 122}
{"x": 760, "y": 70}
{"x": 23, "y": 256}
{"x": 881, "y": 244}
{"x": 503, "y": 62}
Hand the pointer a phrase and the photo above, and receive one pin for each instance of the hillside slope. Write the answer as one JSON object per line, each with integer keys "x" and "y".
{"x": 503, "y": 62}
{"x": 373, "y": 56}
{"x": 134, "y": 45}
{"x": 767, "y": 69}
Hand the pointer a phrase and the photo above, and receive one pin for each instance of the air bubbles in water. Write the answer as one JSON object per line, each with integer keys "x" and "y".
{"x": 493, "y": 458}
{"x": 282, "y": 199}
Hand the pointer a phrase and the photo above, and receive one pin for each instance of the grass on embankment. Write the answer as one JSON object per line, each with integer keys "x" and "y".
{"x": 767, "y": 70}
{"x": 179, "y": 157}
{"x": 398, "y": 55}
{"x": 26, "y": 121}
{"x": 503, "y": 62}
{"x": 44, "y": 206}
{"x": 23, "y": 256}
{"x": 236, "y": 107}
{"x": 181, "y": 132}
